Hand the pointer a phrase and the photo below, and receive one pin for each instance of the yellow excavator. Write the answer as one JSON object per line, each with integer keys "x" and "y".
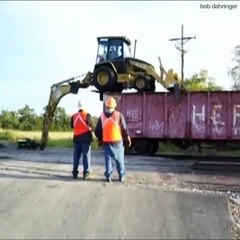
{"x": 115, "y": 70}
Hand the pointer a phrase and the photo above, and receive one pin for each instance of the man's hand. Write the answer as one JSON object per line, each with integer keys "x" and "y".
{"x": 129, "y": 141}
{"x": 100, "y": 143}
{"x": 93, "y": 136}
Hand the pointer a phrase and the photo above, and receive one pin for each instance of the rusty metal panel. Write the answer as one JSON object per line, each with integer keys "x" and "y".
{"x": 132, "y": 106}
{"x": 215, "y": 115}
{"x": 176, "y": 116}
{"x": 218, "y": 105}
{"x": 198, "y": 115}
{"x": 197, "y": 104}
{"x": 144, "y": 114}
{"x": 234, "y": 114}
{"x": 154, "y": 115}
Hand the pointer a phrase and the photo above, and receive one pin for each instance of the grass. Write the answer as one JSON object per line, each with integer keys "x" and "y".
{"x": 67, "y": 143}
{"x": 5, "y": 135}
{"x": 168, "y": 147}
{"x": 56, "y": 139}
{"x": 13, "y": 135}
{"x": 64, "y": 140}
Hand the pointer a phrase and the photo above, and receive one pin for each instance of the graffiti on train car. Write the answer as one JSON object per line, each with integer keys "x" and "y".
{"x": 236, "y": 120}
{"x": 176, "y": 122}
{"x": 133, "y": 115}
{"x": 198, "y": 119}
{"x": 218, "y": 125}
{"x": 134, "y": 120}
{"x": 156, "y": 125}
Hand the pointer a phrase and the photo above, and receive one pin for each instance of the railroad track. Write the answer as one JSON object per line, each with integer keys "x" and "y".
{"x": 213, "y": 186}
{"x": 203, "y": 162}
{"x": 198, "y": 157}
{"x": 227, "y": 164}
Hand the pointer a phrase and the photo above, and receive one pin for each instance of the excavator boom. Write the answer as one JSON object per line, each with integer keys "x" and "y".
{"x": 170, "y": 79}
{"x": 58, "y": 91}
{"x": 166, "y": 79}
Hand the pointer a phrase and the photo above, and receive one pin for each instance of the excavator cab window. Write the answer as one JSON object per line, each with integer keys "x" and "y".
{"x": 126, "y": 50}
{"x": 102, "y": 51}
{"x": 114, "y": 53}
{"x": 110, "y": 49}
{"x": 118, "y": 49}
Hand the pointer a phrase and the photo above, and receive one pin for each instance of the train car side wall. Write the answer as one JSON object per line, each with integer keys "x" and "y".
{"x": 197, "y": 115}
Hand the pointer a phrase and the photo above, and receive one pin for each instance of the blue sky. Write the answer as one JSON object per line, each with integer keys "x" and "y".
{"x": 44, "y": 42}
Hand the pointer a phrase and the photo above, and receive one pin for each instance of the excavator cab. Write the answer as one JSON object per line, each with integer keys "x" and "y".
{"x": 111, "y": 63}
{"x": 113, "y": 49}
{"x": 114, "y": 69}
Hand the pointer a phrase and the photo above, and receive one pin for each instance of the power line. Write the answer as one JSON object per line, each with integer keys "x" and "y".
{"x": 179, "y": 46}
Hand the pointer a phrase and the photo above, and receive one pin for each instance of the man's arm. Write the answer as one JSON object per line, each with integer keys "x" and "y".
{"x": 71, "y": 122}
{"x": 125, "y": 131}
{"x": 89, "y": 122}
{"x": 123, "y": 126}
{"x": 98, "y": 130}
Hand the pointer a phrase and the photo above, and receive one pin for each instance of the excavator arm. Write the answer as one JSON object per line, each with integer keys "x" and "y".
{"x": 166, "y": 79}
{"x": 58, "y": 91}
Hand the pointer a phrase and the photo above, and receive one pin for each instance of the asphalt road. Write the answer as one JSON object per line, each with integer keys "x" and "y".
{"x": 40, "y": 200}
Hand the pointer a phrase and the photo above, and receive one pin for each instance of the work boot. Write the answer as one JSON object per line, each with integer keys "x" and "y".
{"x": 122, "y": 179}
{"x": 75, "y": 174}
{"x": 86, "y": 175}
{"x": 109, "y": 179}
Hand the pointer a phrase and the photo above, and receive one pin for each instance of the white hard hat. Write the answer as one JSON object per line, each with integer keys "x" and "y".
{"x": 80, "y": 104}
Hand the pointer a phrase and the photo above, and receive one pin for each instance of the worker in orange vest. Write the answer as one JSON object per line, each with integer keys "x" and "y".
{"x": 111, "y": 130}
{"x": 82, "y": 138}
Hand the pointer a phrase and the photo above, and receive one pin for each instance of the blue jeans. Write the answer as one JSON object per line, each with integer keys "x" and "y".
{"x": 82, "y": 149}
{"x": 114, "y": 151}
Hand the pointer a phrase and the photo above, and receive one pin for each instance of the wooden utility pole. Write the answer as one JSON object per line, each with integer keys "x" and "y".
{"x": 179, "y": 46}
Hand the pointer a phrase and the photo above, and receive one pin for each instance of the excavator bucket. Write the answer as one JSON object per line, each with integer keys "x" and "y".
{"x": 171, "y": 80}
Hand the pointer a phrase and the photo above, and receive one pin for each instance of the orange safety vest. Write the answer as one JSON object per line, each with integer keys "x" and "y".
{"x": 80, "y": 125}
{"x": 111, "y": 128}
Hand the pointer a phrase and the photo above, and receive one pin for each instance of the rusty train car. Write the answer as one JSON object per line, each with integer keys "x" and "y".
{"x": 194, "y": 117}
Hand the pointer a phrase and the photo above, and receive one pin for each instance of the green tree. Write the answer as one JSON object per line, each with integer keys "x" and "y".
{"x": 27, "y": 118}
{"x": 235, "y": 70}
{"x": 9, "y": 120}
{"x": 61, "y": 121}
{"x": 39, "y": 123}
{"x": 201, "y": 82}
